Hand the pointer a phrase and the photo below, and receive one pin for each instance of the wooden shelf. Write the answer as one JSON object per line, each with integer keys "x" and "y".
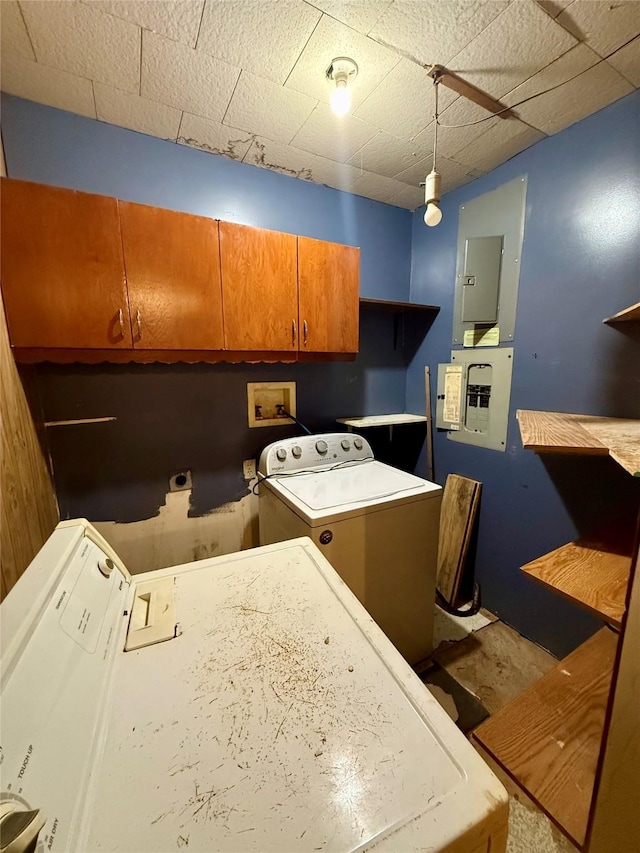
{"x": 395, "y": 307}
{"x": 557, "y": 432}
{"x": 382, "y": 420}
{"x": 630, "y": 313}
{"x": 593, "y": 574}
{"x": 548, "y": 739}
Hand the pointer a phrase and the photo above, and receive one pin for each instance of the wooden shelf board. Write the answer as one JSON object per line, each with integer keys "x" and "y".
{"x": 548, "y": 739}
{"x": 557, "y": 432}
{"x": 630, "y": 313}
{"x": 390, "y": 305}
{"x": 593, "y": 574}
{"x": 382, "y": 420}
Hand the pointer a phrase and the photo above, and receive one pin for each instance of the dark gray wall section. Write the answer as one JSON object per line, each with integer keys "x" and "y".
{"x": 194, "y": 416}
{"x": 580, "y": 263}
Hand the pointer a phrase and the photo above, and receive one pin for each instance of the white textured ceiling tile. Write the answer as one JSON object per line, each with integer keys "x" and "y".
{"x": 433, "y": 31}
{"x": 340, "y": 176}
{"x": 184, "y": 78}
{"x": 386, "y": 155}
{"x": 553, "y": 7}
{"x": 82, "y": 40}
{"x": 136, "y": 113}
{"x": 409, "y": 197}
{"x": 377, "y": 187}
{"x": 335, "y": 137}
{"x": 250, "y": 34}
{"x": 452, "y": 172}
{"x": 403, "y": 104}
{"x": 329, "y": 40}
{"x": 360, "y": 15}
{"x": 590, "y": 91}
{"x": 499, "y": 144}
{"x": 570, "y": 64}
{"x": 176, "y": 19}
{"x": 452, "y": 139}
{"x": 604, "y": 25}
{"x": 516, "y": 45}
{"x": 50, "y": 86}
{"x": 627, "y": 62}
{"x": 214, "y": 137}
{"x": 279, "y": 158}
{"x": 13, "y": 32}
{"x": 263, "y": 108}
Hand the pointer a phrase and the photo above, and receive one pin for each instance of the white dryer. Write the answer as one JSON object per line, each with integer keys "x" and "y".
{"x": 378, "y": 526}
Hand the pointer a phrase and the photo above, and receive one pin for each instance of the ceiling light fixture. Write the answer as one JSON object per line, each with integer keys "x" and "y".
{"x": 342, "y": 71}
{"x": 433, "y": 181}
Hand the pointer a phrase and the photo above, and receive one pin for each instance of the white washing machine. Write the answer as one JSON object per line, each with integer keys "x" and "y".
{"x": 240, "y": 704}
{"x": 377, "y": 526}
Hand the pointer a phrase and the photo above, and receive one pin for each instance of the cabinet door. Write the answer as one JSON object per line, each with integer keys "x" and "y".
{"x": 62, "y": 268}
{"x": 329, "y": 277}
{"x": 260, "y": 289}
{"x": 172, "y": 262}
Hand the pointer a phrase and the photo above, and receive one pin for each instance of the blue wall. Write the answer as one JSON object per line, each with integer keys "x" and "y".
{"x": 172, "y": 417}
{"x": 580, "y": 263}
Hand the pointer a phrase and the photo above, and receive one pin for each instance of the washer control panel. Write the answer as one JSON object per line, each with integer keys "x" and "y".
{"x": 306, "y": 452}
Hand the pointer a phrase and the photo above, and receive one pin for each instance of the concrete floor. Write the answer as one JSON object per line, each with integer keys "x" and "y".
{"x": 495, "y": 663}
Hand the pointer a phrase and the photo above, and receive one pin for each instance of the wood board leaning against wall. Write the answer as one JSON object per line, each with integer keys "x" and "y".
{"x": 29, "y": 507}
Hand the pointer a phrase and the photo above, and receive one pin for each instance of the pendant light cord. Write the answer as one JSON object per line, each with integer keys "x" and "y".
{"x": 436, "y": 81}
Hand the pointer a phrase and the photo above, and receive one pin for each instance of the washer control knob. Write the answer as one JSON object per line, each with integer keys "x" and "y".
{"x": 357, "y": 443}
{"x": 296, "y": 451}
{"x": 322, "y": 446}
{"x": 20, "y": 827}
{"x": 345, "y": 444}
{"x": 281, "y": 454}
{"x": 106, "y": 566}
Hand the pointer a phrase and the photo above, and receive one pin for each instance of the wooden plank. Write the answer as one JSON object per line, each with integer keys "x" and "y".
{"x": 549, "y": 738}
{"x": 427, "y": 391}
{"x": 555, "y": 432}
{"x": 593, "y": 574}
{"x": 29, "y": 508}
{"x": 457, "y": 515}
{"x": 461, "y": 87}
{"x": 630, "y": 313}
{"x": 615, "y": 821}
{"x": 620, "y": 435}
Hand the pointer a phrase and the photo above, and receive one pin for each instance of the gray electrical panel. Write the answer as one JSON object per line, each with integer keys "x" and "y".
{"x": 481, "y": 279}
{"x": 490, "y": 234}
{"x": 473, "y": 396}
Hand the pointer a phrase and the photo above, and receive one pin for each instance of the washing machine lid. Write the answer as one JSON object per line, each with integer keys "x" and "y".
{"x": 351, "y": 489}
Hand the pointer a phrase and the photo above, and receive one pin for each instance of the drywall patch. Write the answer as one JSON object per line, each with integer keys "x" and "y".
{"x": 175, "y": 536}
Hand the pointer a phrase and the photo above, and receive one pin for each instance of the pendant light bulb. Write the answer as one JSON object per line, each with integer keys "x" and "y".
{"x": 341, "y": 96}
{"x": 432, "y": 192}
{"x": 341, "y": 72}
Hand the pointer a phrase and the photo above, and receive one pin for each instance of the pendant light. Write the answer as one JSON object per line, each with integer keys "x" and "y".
{"x": 433, "y": 181}
{"x": 342, "y": 71}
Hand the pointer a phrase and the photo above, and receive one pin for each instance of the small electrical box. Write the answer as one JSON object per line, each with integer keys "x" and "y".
{"x": 473, "y": 396}
{"x": 481, "y": 279}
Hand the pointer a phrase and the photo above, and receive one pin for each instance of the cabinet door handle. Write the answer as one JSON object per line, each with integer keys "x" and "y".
{"x": 121, "y": 321}
{"x": 138, "y": 324}
{"x": 305, "y": 330}
{"x": 293, "y": 331}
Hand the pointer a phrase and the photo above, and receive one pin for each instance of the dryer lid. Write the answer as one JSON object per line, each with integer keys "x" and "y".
{"x": 363, "y": 482}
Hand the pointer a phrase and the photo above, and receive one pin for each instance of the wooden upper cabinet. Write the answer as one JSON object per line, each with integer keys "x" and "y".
{"x": 260, "y": 289}
{"x": 329, "y": 279}
{"x": 62, "y": 268}
{"x": 172, "y": 263}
